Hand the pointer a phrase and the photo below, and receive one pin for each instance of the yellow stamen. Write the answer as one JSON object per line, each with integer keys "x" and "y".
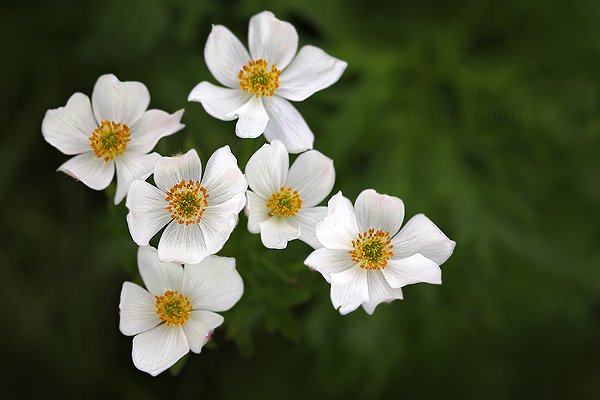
{"x": 257, "y": 79}
{"x": 372, "y": 249}
{"x": 110, "y": 139}
{"x": 187, "y": 202}
{"x": 284, "y": 203}
{"x": 173, "y": 308}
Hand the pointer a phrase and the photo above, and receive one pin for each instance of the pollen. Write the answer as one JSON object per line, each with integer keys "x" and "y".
{"x": 372, "y": 249}
{"x": 284, "y": 203}
{"x": 173, "y": 308}
{"x": 110, "y": 139}
{"x": 187, "y": 202}
{"x": 255, "y": 77}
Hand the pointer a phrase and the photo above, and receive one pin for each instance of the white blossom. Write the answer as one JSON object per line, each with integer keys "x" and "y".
{"x": 282, "y": 202}
{"x": 367, "y": 258}
{"x": 114, "y": 131}
{"x": 259, "y": 84}
{"x": 199, "y": 211}
{"x": 177, "y": 311}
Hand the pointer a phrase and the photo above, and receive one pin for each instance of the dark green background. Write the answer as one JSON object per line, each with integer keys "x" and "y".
{"x": 483, "y": 115}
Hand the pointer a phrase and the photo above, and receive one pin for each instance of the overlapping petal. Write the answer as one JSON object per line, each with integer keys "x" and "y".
{"x": 137, "y": 310}
{"x": 277, "y": 231}
{"x": 349, "y": 289}
{"x": 68, "y": 128}
{"x": 156, "y": 350}
{"x": 152, "y": 126}
{"x": 256, "y": 211}
{"x": 158, "y": 276}
{"x": 272, "y": 40}
{"x": 218, "y": 223}
{"x": 218, "y": 101}
{"x": 223, "y": 178}
{"x": 252, "y": 118}
{"x": 312, "y": 70}
{"x": 287, "y": 125}
{"x": 225, "y": 55}
{"x": 379, "y": 291}
{"x": 339, "y": 228}
{"x": 379, "y": 212}
{"x": 169, "y": 171}
{"x": 198, "y": 328}
{"x": 267, "y": 169}
{"x": 122, "y": 102}
{"x": 421, "y": 235}
{"x": 182, "y": 244}
{"x": 308, "y": 218}
{"x": 313, "y": 176}
{"x": 147, "y": 212}
{"x": 413, "y": 269}
{"x": 328, "y": 261}
{"x": 132, "y": 166}
{"x": 214, "y": 284}
{"x": 92, "y": 171}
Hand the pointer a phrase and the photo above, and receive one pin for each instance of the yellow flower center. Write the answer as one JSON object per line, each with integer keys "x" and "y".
{"x": 372, "y": 249}
{"x": 173, "y": 308}
{"x": 187, "y": 202}
{"x": 284, "y": 203}
{"x": 109, "y": 139}
{"x": 256, "y": 78}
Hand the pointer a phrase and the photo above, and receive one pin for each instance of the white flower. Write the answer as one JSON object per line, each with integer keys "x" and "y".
{"x": 367, "y": 260}
{"x": 258, "y": 84}
{"x": 114, "y": 131}
{"x": 282, "y": 205}
{"x": 178, "y": 311}
{"x": 200, "y": 213}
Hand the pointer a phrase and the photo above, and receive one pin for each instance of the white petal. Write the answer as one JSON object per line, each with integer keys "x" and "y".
{"x": 147, "y": 213}
{"x": 308, "y": 218}
{"x": 92, "y": 171}
{"x": 252, "y": 119}
{"x": 379, "y": 291}
{"x": 329, "y": 262}
{"x": 312, "y": 175}
{"x": 267, "y": 169}
{"x": 225, "y": 56}
{"x": 151, "y": 127}
{"x": 182, "y": 244}
{"x": 158, "y": 349}
{"x": 217, "y": 101}
{"x": 68, "y": 128}
{"x": 132, "y": 166}
{"x": 413, "y": 269}
{"x": 257, "y": 211}
{"x": 137, "y": 310}
{"x": 218, "y": 222}
{"x": 214, "y": 284}
{"x": 169, "y": 171}
{"x": 272, "y": 40}
{"x": 338, "y": 229}
{"x": 286, "y": 124}
{"x": 349, "y": 289}
{"x": 158, "y": 276}
{"x": 379, "y": 212}
{"x": 199, "y": 327}
{"x": 117, "y": 101}
{"x": 223, "y": 179}
{"x": 277, "y": 231}
{"x": 312, "y": 70}
{"x": 420, "y": 235}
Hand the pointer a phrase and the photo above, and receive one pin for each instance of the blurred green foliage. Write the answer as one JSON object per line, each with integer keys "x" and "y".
{"x": 482, "y": 115}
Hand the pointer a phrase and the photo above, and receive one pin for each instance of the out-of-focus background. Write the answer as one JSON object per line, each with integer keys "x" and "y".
{"x": 485, "y": 116}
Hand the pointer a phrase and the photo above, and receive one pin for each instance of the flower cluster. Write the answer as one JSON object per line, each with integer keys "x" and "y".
{"x": 359, "y": 249}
